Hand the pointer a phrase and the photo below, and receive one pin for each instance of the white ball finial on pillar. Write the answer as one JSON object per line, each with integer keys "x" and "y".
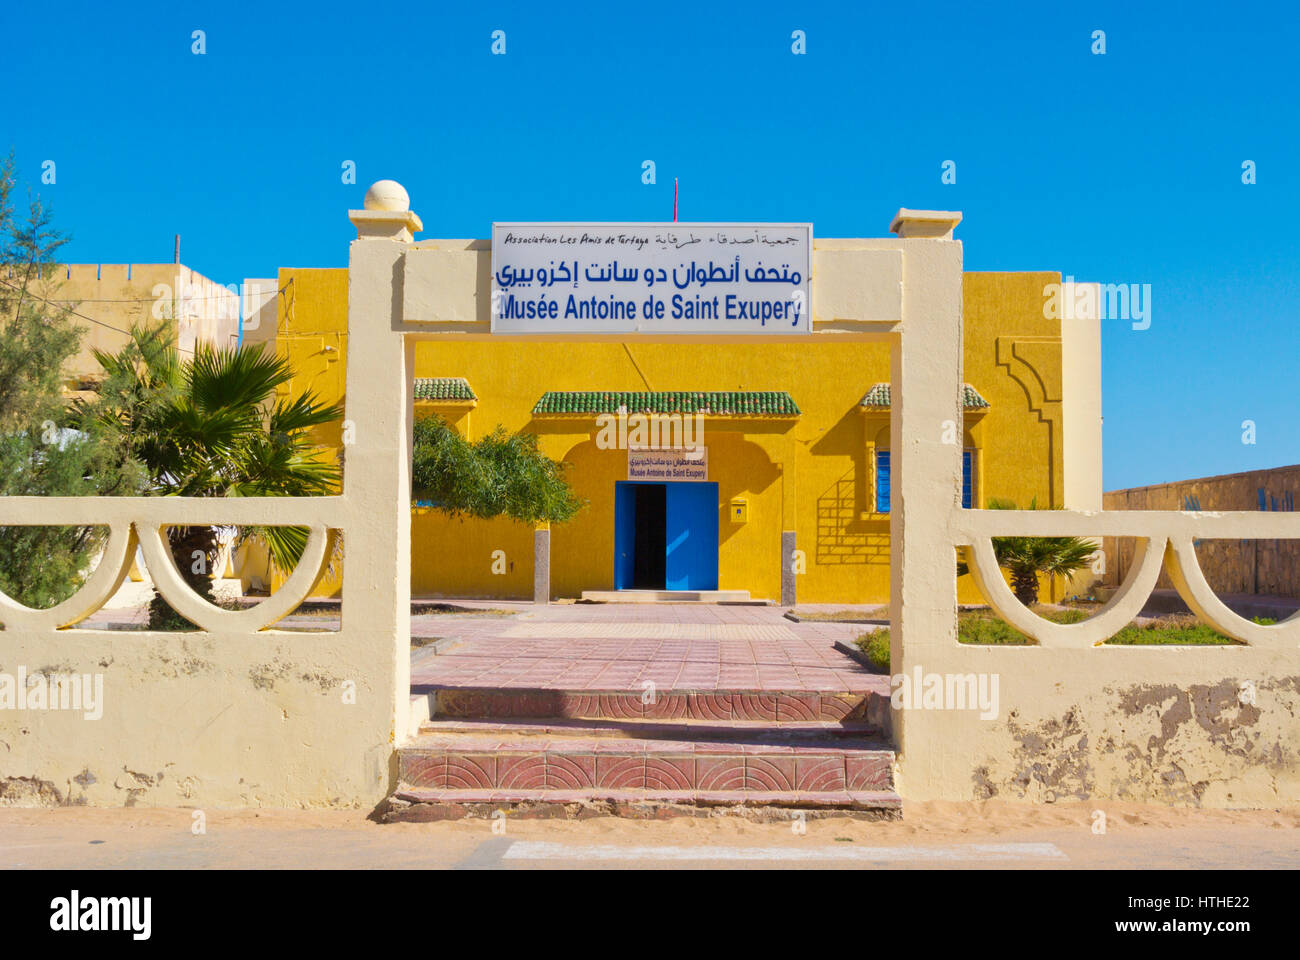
{"x": 388, "y": 195}
{"x": 387, "y": 214}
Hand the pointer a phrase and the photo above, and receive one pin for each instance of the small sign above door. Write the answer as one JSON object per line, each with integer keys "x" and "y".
{"x": 668, "y": 465}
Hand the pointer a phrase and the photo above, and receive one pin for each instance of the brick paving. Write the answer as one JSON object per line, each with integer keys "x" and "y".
{"x": 617, "y": 647}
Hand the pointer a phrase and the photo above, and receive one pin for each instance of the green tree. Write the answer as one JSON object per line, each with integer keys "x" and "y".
{"x": 40, "y": 452}
{"x": 210, "y": 426}
{"x": 497, "y": 475}
{"x": 1025, "y": 558}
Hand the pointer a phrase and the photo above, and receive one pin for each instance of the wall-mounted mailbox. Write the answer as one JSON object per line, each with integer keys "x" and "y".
{"x": 739, "y": 510}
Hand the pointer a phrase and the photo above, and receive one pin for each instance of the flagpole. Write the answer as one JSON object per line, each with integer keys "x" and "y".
{"x": 674, "y": 199}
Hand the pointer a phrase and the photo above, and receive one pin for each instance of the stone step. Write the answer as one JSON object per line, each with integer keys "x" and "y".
{"x": 453, "y": 761}
{"x": 728, "y": 731}
{"x": 770, "y": 706}
{"x": 670, "y": 596}
{"x": 424, "y": 803}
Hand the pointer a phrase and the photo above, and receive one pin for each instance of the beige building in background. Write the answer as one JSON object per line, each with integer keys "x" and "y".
{"x": 109, "y": 298}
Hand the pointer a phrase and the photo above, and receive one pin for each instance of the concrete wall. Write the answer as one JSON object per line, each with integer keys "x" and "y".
{"x": 212, "y": 719}
{"x": 1259, "y": 566}
{"x": 1168, "y": 725}
{"x": 232, "y": 714}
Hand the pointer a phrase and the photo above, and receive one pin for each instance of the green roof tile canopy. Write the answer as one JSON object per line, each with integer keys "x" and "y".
{"x": 878, "y": 398}
{"x": 716, "y": 403}
{"x": 444, "y": 390}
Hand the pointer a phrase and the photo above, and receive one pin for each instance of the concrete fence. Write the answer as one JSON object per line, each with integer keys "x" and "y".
{"x": 235, "y": 713}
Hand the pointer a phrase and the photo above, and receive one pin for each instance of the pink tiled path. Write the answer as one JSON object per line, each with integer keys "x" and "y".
{"x": 619, "y": 647}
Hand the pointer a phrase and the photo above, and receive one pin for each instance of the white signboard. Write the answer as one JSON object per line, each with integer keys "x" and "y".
{"x": 668, "y": 464}
{"x": 711, "y": 278}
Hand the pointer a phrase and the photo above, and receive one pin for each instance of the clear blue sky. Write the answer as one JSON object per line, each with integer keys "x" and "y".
{"x": 1122, "y": 168}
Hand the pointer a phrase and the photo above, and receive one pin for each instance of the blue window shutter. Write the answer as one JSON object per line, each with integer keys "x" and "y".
{"x": 882, "y": 481}
{"x": 967, "y": 477}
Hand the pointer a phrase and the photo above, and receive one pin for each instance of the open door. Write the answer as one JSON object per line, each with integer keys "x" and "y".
{"x": 624, "y": 534}
{"x": 665, "y": 536}
{"x": 692, "y": 536}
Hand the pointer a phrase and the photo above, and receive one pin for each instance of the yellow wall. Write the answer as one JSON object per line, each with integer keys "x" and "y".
{"x": 311, "y": 333}
{"x": 814, "y": 471}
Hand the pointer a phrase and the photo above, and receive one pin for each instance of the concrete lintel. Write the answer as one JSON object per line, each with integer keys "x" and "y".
{"x": 925, "y": 224}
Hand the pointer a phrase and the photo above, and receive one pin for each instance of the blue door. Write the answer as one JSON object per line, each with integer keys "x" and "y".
{"x": 692, "y": 536}
{"x": 624, "y": 534}
{"x": 665, "y": 536}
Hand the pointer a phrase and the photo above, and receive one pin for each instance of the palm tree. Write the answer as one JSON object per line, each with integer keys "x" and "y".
{"x": 1025, "y": 558}
{"x": 210, "y": 426}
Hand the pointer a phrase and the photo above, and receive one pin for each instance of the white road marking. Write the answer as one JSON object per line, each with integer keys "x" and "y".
{"x": 531, "y": 850}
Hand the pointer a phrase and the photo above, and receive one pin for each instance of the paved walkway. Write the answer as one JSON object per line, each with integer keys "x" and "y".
{"x": 611, "y": 646}
{"x": 621, "y": 646}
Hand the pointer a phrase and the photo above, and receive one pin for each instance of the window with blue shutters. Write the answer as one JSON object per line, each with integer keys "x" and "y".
{"x": 967, "y": 477}
{"x": 882, "y": 479}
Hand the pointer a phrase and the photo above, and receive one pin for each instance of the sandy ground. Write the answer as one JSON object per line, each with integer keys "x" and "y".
{"x": 949, "y": 835}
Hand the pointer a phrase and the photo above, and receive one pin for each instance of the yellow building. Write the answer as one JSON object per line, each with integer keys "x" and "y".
{"x": 796, "y": 451}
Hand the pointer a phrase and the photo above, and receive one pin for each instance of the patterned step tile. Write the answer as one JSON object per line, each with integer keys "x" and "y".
{"x": 645, "y": 765}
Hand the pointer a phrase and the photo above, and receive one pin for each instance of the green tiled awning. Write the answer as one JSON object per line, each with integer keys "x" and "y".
{"x": 716, "y": 403}
{"x": 878, "y": 398}
{"x": 444, "y": 389}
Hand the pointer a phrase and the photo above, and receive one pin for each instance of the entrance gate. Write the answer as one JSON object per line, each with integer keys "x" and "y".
{"x": 905, "y": 291}
{"x": 401, "y": 292}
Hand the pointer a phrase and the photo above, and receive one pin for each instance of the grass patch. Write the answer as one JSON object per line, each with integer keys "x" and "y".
{"x": 876, "y": 646}
{"x": 1176, "y": 630}
{"x": 839, "y": 616}
{"x": 985, "y": 627}
{"x": 419, "y": 608}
